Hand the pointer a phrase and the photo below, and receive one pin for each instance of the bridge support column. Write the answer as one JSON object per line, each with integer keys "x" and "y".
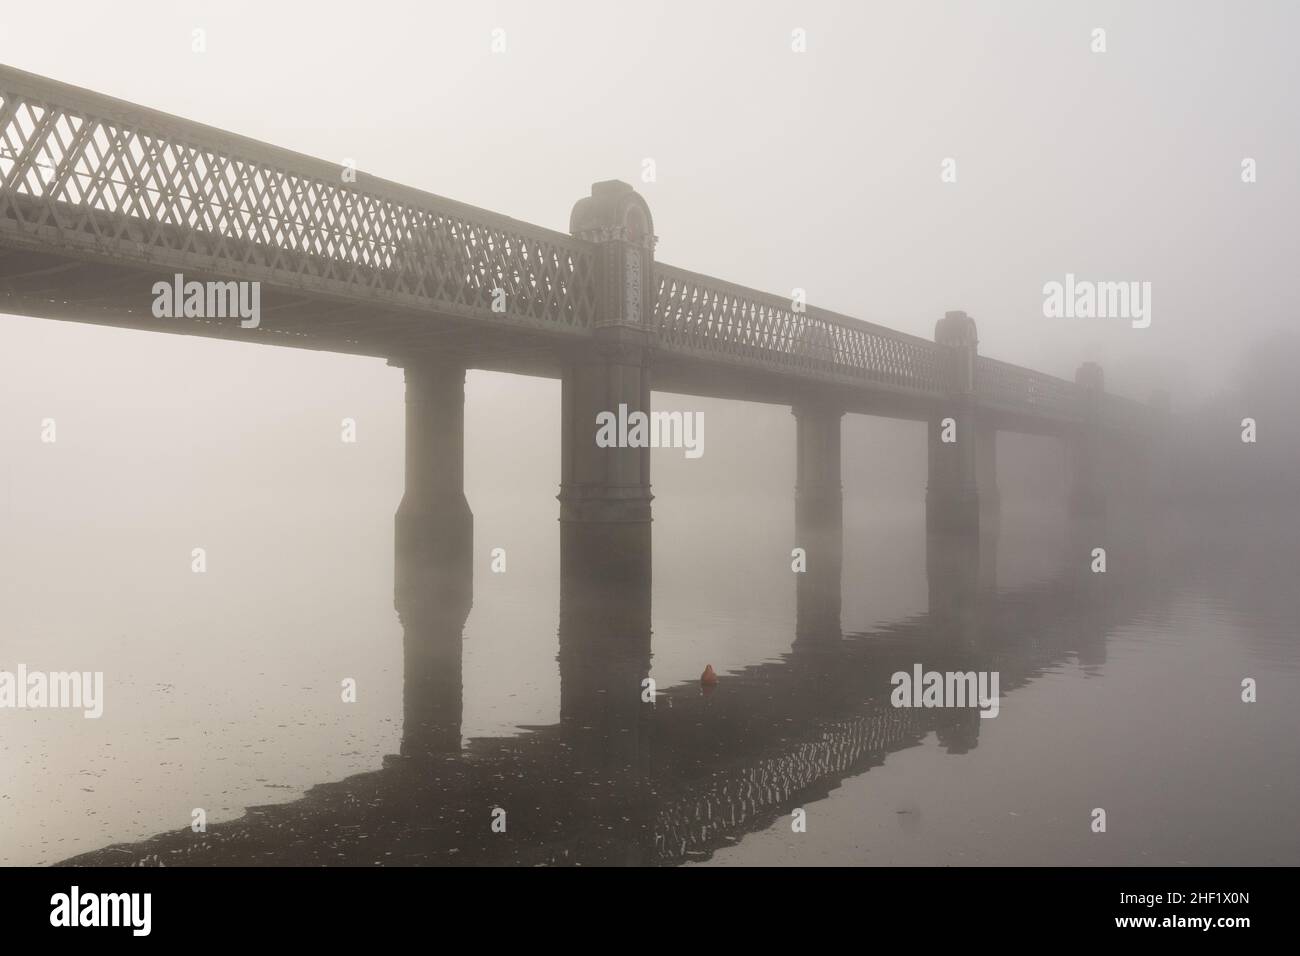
{"x": 952, "y": 496}
{"x": 1085, "y": 452}
{"x": 604, "y": 657}
{"x": 606, "y": 720}
{"x": 986, "y": 476}
{"x": 952, "y": 569}
{"x": 1155, "y": 454}
{"x": 432, "y": 684}
{"x": 434, "y": 528}
{"x": 819, "y": 517}
{"x": 605, "y": 457}
{"x": 605, "y": 489}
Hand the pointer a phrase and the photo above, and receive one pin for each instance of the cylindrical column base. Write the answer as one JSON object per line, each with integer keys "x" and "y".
{"x": 819, "y": 519}
{"x": 434, "y": 527}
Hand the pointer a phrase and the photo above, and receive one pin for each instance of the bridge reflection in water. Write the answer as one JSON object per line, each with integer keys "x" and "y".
{"x": 622, "y": 781}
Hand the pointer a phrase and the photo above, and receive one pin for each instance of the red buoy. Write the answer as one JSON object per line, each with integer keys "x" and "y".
{"x": 708, "y": 677}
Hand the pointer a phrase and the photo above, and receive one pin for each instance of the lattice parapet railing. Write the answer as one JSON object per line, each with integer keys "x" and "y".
{"x": 87, "y": 175}
{"x": 1012, "y": 387}
{"x": 701, "y": 315}
{"x": 101, "y": 177}
{"x": 1023, "y": 390}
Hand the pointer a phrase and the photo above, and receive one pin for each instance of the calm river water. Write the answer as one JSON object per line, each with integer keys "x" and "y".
{"x": 1119, "y": 691}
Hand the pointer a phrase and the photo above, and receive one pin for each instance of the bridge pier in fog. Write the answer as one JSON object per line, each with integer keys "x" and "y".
{"x": 819, "y": 516}
{"x": 1154, "y": 446}
{"x": 1085, "y": 446}
{"x": 952, "y": 494}
{"x": 986, "y": 477}
{"x": 605, "y": 485}
{"x": 434, "y": 527}
{"x": 432, "y": 680}
{"x": 433, "y": 580}
{"x": 953, "y": 576}
{"x": 604, "y": 656}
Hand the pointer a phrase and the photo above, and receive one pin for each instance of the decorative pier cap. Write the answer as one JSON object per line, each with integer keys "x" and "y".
{"x": 1090, "y": 377}
{"x": 614, "y": 210}
{"x": 956, "y": 333}
{"x": 1091, "y": 384}
{"x": 956, "y": 328}
{"x": 616, "y": 218}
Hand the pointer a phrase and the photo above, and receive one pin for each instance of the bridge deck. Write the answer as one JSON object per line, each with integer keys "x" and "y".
{"x": 100, "y": 198}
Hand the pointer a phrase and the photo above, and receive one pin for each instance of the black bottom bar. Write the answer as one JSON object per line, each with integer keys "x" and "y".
{"x": 301, "y": 905}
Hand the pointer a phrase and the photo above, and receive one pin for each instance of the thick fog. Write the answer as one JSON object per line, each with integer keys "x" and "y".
{"x": 894, "y": 161}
